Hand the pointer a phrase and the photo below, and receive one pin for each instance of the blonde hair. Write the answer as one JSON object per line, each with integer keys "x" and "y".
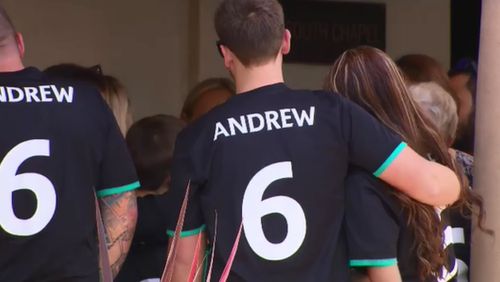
{"x": 203, "y": 87}
{"x": 115, "y": 96}
{"x": 438, "y": 106}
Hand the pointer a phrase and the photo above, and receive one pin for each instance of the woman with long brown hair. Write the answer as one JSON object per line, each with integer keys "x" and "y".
{"x": 390, "y": 235}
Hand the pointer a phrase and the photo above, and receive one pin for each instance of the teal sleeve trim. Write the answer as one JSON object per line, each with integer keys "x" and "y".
{"x": 390, "y": 159}
{"x": 188, "y": 233}
{"x": 373, "y": 262}
{"x": 118, "y": 190}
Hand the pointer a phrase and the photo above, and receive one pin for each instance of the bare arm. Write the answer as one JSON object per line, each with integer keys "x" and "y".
{"x": 384, "y": 274}
{"x": 186, "y": 248}
{"x": 119, "y": 213}
{"x": 423, "y": 180}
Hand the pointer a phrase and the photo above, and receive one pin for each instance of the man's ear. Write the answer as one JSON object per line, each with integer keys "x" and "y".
{"x": 228, "y": 57}
{"x": 286, "y": 44}
{"x": 20, "y": 44}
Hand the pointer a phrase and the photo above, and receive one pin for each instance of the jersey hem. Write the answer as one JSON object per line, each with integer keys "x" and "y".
{"x": 118, "y": 190}
{"x": 188, "y": 233}
{"x": 390, "y": 159}
{"x": 373, "y": 262}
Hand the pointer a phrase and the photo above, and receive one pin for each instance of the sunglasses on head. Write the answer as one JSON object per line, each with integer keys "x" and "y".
{"x": 97, "y": 69}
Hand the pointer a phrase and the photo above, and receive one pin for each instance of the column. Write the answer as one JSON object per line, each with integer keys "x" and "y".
{"x": 485, "y": 265}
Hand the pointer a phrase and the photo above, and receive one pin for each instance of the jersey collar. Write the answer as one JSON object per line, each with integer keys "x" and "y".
{"x": 267, "y": 88}
{"x": 29, "y": 72}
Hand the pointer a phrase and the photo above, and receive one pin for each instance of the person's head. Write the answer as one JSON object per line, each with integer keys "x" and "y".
{"x": 151, "y": 143}
{"x": 438, "y": 106}
{"x": 368, "y": 77}
{"x": 111, "y": 89}
{"x": 418, "y": 68}
{"x": 463, "y": 82}
{"x": 251, "y": 33}
{"x": 205, "y": 96}
{"x": 458, "y": 83}
{"x": 422, "y": 68}
{"x": 11, "y": 44}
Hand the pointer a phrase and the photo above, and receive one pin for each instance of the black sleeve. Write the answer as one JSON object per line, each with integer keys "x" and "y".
{"x": 189, "y": 167}
{"x": 117, "y": 172}
{"x": 371, "y": 145}
{"x": 372, "y": 229}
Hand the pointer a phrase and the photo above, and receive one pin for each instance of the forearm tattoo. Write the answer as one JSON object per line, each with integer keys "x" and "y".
{"x": 119, "y": 214}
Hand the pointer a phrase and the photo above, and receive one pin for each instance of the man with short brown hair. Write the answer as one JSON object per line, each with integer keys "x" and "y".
{"x": 273, "y": 160}
{"x": 253, "y": 29}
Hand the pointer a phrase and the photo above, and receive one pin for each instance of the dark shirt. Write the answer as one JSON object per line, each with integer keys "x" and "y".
{"x": 462, "y": 223}
{"x": 276, "y": 159}
{"x": 148, "y": 253}
{"x": 60, "y": 145}
{"x": 377, "y": 232}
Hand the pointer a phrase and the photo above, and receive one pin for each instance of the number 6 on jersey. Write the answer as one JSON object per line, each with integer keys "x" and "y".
{"x": 36, "y": 183}
{"x": 254, "y": 208}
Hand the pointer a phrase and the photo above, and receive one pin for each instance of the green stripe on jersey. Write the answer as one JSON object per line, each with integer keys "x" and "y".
{"x": 373, "y": 262}
{"x": 390, "y": 159}
{"x": 118, "y": 190}
{"x": 188, "y": 233}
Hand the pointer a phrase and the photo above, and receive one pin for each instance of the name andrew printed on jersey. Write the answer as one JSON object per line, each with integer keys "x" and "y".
{"x": 269, "y": 120}
{"x": 39, "y": 94}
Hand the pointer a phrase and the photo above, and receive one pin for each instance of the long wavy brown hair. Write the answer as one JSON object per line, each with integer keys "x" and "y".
{"x": 368, "y": 77}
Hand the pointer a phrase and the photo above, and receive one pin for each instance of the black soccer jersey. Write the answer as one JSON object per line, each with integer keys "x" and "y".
{"x": 462, "y": 224}
{"x": 377, "y": 231}
{"x": 461, "y": 227}
{"x": 276, "y": 159}
{"x": 147, "y": 256}
{"x": 60, "y": 144}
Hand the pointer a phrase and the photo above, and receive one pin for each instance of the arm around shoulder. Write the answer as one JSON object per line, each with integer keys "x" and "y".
{"x": 425, "y": 181}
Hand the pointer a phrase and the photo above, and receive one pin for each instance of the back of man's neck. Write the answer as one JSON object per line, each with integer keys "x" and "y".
{"x": 252, "y": 78}
{"x": 13, "y": 65}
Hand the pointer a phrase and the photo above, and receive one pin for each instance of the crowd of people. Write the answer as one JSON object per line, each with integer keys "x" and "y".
{"x": 368, "y": 179}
